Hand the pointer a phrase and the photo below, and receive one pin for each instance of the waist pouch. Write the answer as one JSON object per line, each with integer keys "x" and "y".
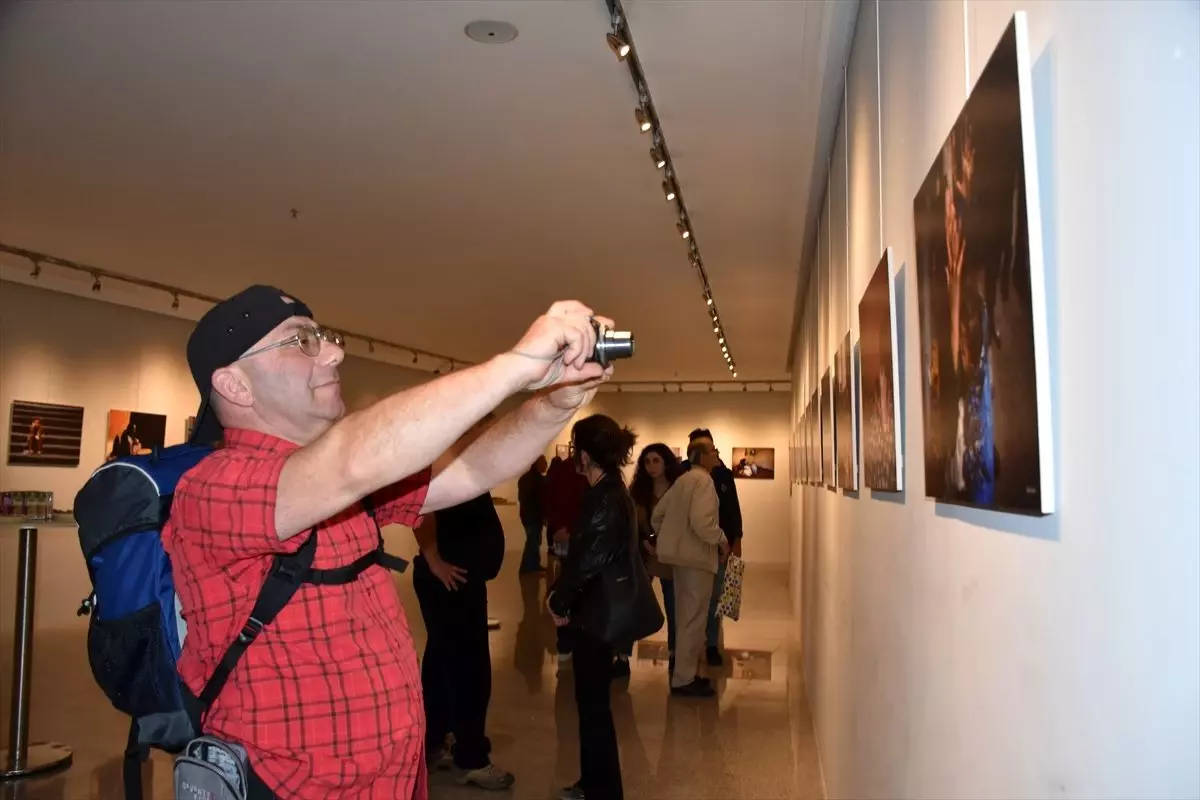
{"x": 210, "y": 769}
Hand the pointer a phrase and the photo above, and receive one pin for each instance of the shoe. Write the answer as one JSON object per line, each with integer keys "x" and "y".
{"x": 571, "y": 793}
{"x": 491, "y": 778}
{"x": 438, "y": 759}
{"x": 714, "y": 657}
{"x": 697, "y": 688}
{"x": 621, "y": 668}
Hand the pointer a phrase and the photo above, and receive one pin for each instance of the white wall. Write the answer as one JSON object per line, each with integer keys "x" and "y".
{"x": 955, "y": 653}
{"x": 736, "y": 419}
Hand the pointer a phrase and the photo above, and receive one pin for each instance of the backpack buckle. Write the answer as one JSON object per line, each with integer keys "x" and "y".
{"x": 250, "y": 631}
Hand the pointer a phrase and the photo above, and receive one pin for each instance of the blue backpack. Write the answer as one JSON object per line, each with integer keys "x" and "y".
{"x": 137, "y": 630}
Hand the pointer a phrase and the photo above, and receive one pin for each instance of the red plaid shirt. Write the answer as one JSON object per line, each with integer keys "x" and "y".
{"x": 327, "y": 700}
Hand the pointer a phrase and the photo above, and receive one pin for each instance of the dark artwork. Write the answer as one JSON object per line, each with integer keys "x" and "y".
{"x": 982, "y": 303}
{"x": 828, "y": 452}
{"x": 44, "y": 435}
{"x": 132, "y": 433}
{"x": 880, "y": 389}
{"x": 843, "y": 417}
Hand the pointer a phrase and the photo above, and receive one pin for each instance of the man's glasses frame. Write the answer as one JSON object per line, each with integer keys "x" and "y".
{"x": 308, "y": 338}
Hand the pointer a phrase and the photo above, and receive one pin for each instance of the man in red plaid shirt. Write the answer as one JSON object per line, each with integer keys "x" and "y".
{"x": 327, "y": 700}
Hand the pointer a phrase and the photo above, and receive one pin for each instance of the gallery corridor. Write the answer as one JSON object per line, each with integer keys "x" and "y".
{"x": 754, "y": 742}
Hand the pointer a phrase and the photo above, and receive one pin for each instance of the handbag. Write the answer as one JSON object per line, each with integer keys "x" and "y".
{"x": 730, "y": 604}
{"x": 631, "y": 610}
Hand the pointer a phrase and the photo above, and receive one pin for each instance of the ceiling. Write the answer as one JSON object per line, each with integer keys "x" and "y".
{"x": 446, "y": 191}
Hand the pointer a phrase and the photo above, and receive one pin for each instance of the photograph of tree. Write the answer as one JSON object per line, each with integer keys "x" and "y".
{"x": 880, "y": 388}
{"x": 844, "y": 433}
{"x": 981, "y": 297}
{"x": 44, "y": 435}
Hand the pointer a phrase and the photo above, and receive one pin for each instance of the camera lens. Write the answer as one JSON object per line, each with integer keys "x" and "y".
{"x": 611, "y": 345}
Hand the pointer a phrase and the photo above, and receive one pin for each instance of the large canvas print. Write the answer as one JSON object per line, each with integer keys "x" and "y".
{"x": 981, "y": 290}
{"x": 44, "y": 434}
{"x": 844, "y": 434}
{"x": 879, "y": 371}
{"x": 133, "y": 433}
{"x": 828, "y": 453}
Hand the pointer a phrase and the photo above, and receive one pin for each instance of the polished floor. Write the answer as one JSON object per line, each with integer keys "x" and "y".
{"x": 754, "y": 741}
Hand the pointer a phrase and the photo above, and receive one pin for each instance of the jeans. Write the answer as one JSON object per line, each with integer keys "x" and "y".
{"x": 599, "y": 759}
{"x": 531, "y": 559}
{"x": 668, "y": 590}
{"x": 712, "y": 634}
{"x": 456, "y": 670}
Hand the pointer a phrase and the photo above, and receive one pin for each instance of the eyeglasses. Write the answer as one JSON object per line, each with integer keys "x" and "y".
{"x": 308, "y": 338}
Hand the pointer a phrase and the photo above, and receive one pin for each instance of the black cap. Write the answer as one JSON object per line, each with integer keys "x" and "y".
{"x": 228, "y": 330}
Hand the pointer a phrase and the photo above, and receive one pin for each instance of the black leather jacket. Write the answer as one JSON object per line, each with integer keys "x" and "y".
{"x": 603, "y": 532}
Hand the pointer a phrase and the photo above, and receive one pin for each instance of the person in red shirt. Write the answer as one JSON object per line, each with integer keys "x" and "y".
{"x": 327, "y": 699}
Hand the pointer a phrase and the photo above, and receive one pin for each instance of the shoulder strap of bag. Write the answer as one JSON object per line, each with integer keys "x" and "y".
{"x": 283, "y": 581}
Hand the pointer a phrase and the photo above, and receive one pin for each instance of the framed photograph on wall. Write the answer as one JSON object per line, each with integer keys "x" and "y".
{"x": 753, "y": 463}
{"x": 828, "y": 453}
{"x": 134, "y": 433}
{"x": 563, "y": 451}
{"x": 985, "y": 373}
{"x": 879, "y": 353}
{"x": 44, "y": 434}
{"x": 844, "y": 424}
{"x": 189, "y": 425}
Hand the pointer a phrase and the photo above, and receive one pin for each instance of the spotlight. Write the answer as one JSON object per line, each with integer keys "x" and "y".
{"x": 660, "y": 158}
{"x": 716, "y": 329}
{"x": 683, "y": 231}
{"x": 414, "y": 358}
{"x": 643, "y": 120}
{"x": 96, "y": 283}
{"x": 175, "y": 302}
{"x": 735, "y": 374}
{"x": 37, "y": 269}
{"x": 618, "y": 45}
{"x": 668, "y": 190}
{"x": 370, "y": 346}
{"x": 709, "y": 301}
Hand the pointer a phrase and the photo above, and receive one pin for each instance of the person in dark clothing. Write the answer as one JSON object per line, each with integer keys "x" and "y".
{"x": 530, "y": 492}
{"x": 462, "y": 548}
{"x": 730, "y": 519}
{"x": 563, "y": 495}
{"x": 604, "y": 531}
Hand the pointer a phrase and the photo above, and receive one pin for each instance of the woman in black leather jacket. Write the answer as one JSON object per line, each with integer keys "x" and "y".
{"x": 603, "y": 534}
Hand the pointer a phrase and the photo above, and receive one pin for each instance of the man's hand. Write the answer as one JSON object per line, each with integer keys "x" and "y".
{"x": 555, "y": 352}
{"x": 723, "y": 551}
{"x": 449, "y": 575}
{"x": 737, "y": 548}
{"x": 648, "y": 546}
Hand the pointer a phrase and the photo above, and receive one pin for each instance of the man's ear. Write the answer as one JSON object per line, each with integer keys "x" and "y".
{"x": 233, "y": 386}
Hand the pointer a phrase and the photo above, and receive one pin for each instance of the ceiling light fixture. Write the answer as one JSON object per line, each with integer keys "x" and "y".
{"x": 620, "y": 39}
{"x": 618, "y": 45}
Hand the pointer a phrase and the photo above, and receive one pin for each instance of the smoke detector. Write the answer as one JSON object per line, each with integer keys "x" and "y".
{"x": 490, "y": 32}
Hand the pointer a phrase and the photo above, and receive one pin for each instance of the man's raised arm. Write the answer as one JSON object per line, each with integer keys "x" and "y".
{"x": 403, "y": 434}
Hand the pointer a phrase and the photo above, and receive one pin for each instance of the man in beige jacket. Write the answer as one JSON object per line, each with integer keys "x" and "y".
{"x": 691, "y": 541}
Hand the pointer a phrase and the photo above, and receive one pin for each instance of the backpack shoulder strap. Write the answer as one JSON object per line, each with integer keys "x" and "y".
{"x": 286, "y": 575}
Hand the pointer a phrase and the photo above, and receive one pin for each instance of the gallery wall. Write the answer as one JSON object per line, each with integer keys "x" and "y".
{"x": 957, "y": 652}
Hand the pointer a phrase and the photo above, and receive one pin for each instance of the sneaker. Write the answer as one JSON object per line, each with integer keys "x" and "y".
{"x": 571, "y": 793}
{"x": 621, "y": 668}
{"x": 439, "y": 758}
{"x": 714, "y": 657}
{"x": 490, "y": 777}
{"x": 697, "y": 688}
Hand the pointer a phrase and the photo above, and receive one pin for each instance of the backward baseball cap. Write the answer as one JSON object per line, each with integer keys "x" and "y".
{"x": 224, "y": 333}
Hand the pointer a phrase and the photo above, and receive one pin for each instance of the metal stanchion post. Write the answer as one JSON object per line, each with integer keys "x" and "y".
{"x": 22, "y": 758}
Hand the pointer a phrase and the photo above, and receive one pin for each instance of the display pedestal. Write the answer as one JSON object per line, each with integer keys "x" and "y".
{"x": 23, "y": 759}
